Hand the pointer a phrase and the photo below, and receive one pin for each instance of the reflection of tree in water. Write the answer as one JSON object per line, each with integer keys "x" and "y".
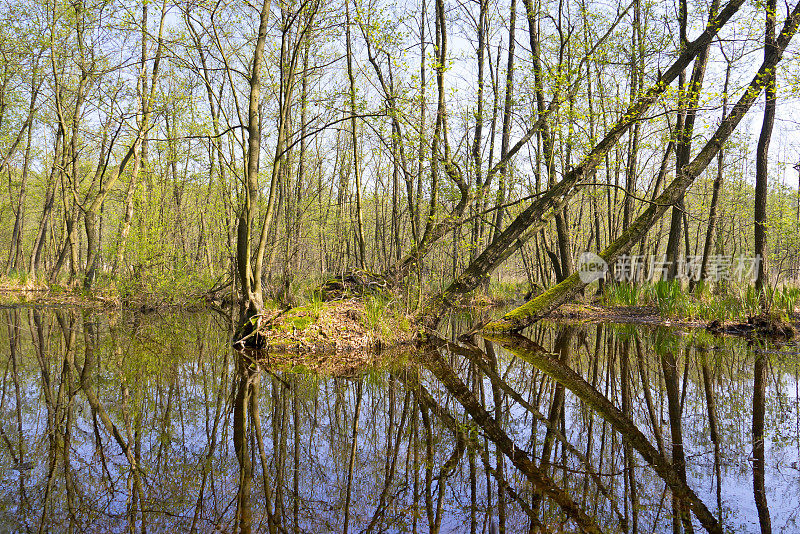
{"x": 146, "y": 424}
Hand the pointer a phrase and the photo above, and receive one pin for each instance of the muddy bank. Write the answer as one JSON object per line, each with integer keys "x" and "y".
{"x": 764, "y": 326}
{"x": 647, "y": 315}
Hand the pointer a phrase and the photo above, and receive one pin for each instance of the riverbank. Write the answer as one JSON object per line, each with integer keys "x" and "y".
{"x": 190, "y": 294}
{"x": 382, "y": 319}
{"x": 774, "y": 326}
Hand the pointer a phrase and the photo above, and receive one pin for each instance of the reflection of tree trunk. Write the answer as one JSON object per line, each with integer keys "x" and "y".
{"x": 86, "y": 374}
{"x": 655, "y": 421}
{"x": 759, "y": 493}
{"x": 14, "y": 328}
{"x": 708, "y": 386}
{"x": 132, "y": 435}
{"x": 669, "y": 368}
{"x": 296, "y": 449}
{"x": 477, "y": 359}
{"x": 392, "y": 452}
{"x": 630, "y": 480}
{"x": 255, "y": 414}
{"x": 432, "y": 515}
{"x": 69, "y": 407}
{"x": 280, "y": 407}
{"x": 563, "y": 346}
{"x": 537, "y": 356}
{"x": 473, "y": 472}
{"x": 212, "y": 444}
{"x": 58, "y": 450}
{"x": 351, "y": 464}
{"x": 497, "y": 398}
{"x": 540, "y": 480}
{"x": 427, "y": 402}
{"x": 240, "y": 416}
{"x": 52, "y": 419}
{"x": 415, "y": 456}
{"x": 589, "y": 414}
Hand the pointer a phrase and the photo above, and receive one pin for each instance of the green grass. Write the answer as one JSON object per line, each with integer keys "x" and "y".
{"x": 624, "y": 294}
{"x": 375, "y": 311}
{"x": 385, "y": 316}
{"x": 723, "y": 303}
{"x": 505, "y": 291}
{"x": 315, "y": 304}
{"x": 669, "y": 299}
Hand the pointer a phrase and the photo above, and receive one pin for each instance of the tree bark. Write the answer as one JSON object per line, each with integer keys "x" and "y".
{"x": 762, "y": 157}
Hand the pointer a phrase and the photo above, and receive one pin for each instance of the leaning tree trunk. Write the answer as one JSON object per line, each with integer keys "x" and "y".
{"x": 545, "y": 303}
{"x": 536, "y": 215}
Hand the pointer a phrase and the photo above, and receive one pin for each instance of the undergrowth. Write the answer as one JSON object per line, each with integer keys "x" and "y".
{"x": 385, "y": 316}
{"x": 722, "y": 302}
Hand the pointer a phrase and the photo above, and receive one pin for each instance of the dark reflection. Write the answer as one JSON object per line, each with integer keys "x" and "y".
{"x": 127, "y": 423}
{"x": 759, "y": 460}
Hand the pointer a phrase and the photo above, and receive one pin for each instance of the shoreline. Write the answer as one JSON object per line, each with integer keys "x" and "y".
{"x": 336, "y": 342}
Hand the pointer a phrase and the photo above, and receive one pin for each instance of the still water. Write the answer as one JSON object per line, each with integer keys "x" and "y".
{"x": 150, "y": 423}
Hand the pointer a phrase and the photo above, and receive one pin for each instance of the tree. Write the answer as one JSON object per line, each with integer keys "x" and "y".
{"x": 557, "y": 295}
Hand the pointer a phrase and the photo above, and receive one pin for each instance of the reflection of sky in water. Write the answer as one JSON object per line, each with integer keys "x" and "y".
{"x": 177, "y": 390}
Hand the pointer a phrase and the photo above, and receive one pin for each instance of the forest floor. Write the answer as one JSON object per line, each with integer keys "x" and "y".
{"x": 94, "y": 300}
{"x": 12, "y": 292}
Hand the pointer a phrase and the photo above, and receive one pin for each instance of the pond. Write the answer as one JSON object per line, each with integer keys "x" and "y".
{"x": 117, "y": 422}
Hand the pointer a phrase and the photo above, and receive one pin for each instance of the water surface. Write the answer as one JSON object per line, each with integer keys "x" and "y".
{"x": 150, "y": 423}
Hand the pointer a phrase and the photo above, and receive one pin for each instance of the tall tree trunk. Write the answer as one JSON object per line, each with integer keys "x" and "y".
{"x": 145, "y": 104}
{"x": 717, "y": 187}
{"x": 362, "y": 260}
{"x": 687, "y": 113}
{"x": 477, "y": 141}
{"x": 59, "y": 160}
{"x": 250, "y": 277}
{"x": 762, "y": 156}
{"x": 502, "y": 175}
{"x": 15, "y": 261}
{"x": 636, "y": 73}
